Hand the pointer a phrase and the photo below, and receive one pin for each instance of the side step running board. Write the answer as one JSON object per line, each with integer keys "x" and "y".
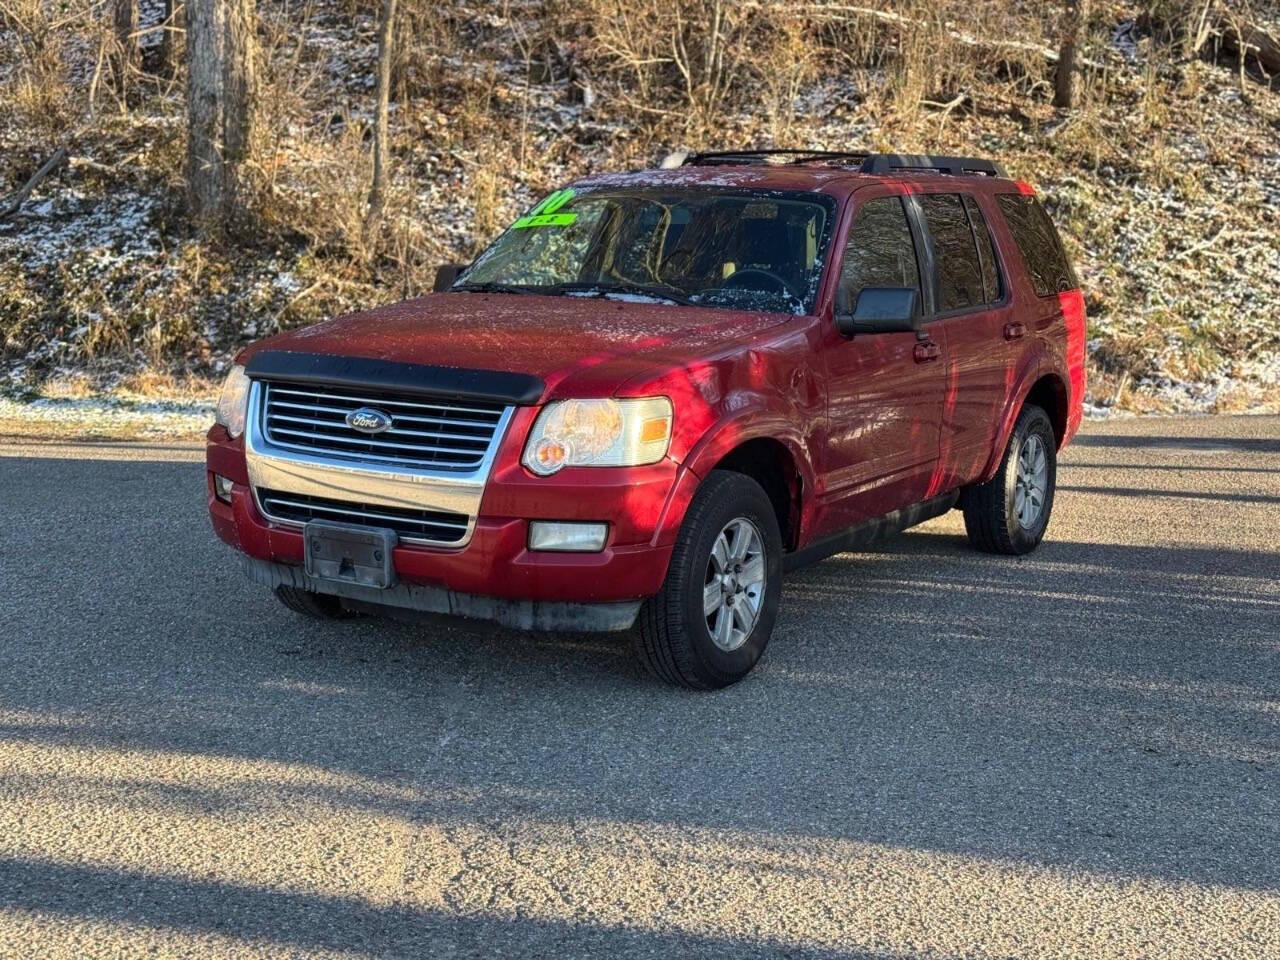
{"x": 871, "y": 531}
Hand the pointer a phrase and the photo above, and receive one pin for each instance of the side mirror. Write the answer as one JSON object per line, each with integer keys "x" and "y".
{"x": 881, "y": 310}
{"x": 446, "y": 273}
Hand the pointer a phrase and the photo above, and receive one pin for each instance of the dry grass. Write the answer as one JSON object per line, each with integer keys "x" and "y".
{"x": 494, "y": 103}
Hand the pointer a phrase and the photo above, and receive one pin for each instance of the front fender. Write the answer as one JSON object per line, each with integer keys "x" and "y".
{"x": 728, "y": 434}
{"x": 746, "y": 425}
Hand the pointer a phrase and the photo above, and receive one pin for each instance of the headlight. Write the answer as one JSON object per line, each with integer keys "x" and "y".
{"x": 599, "y": 433}
{"x": 233, "y": 402}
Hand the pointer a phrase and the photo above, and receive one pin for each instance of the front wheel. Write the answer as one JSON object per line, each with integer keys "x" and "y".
{"x": 711, "y": 621}
{"x": 1010, "y": 512}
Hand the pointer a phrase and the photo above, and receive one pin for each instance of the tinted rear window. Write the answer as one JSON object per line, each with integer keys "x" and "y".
{"x": 961, "y": 250}
{"x": 1039, "y": 244}
{"x": 991, "y": 287}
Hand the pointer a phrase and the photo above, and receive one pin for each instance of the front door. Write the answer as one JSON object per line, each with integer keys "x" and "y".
{"x": 884, "y": 390}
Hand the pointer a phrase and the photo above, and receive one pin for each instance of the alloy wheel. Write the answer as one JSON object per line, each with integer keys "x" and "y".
{"x": 1033, "y": 478}
{"x": 734, "y": 587}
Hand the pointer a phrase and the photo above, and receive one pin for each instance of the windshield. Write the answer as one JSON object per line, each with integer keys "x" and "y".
{"x": 749, "y": 250}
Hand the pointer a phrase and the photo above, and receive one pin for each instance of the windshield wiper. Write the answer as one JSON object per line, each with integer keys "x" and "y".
{"x": 495, "y": 287}
{"x": 628, "y": 289}
{"x": 579, "y": 289}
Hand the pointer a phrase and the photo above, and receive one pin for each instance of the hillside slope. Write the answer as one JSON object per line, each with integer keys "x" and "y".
{"x": 1165, "y": 178}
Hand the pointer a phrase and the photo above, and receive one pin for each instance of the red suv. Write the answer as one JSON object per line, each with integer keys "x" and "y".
{"x": 658, "y": 391}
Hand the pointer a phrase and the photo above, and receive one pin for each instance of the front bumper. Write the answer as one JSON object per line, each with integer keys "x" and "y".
{"x": 520, "y": 614}
{"x": 643, "y": 506}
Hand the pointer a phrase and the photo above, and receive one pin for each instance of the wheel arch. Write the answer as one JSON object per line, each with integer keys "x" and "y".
{"x": 771, "y": 464}
{"x": 1047, "y": 391}
{"x": 767, "y": 451}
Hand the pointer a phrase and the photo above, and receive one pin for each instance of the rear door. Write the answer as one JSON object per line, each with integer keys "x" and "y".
{"x": 884, "y": 390}
{"x": 973, "y": 324}
{"x": 1056, "y": 311}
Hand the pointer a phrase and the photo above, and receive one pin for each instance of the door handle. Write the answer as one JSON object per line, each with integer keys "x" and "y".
{"x": 924, "y": 352}
{"x": 1014, "y": 330}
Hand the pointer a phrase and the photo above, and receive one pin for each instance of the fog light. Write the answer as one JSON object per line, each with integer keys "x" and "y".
{"x": 578, "y": 537}
{"x": 222, "y": 487}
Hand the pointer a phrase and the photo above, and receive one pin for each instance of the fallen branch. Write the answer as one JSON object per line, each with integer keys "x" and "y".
{"x": 20, "y": 197}
{"x": 1253, "y": 45}
{"x": 1223, "y": 234}
{"x": 897, "y": 19}
{"x": 156, "y": 28}
{"x": 946, "y": 108}
{"x": 1204, "y": 244}
{"x": 91, "y": 164}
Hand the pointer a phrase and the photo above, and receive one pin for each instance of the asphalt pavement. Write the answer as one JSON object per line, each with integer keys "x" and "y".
{"x": 942, "y": 754}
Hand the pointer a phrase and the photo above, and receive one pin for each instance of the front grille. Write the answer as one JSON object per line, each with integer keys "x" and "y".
{"x": 439, "y": 434}
{"x": 429, "y": 526}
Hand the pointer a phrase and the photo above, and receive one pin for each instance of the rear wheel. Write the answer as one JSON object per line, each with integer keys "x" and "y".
{"x": 1010, "y": 512}
{"x": 711, "y": 621}
{"x": 319, "y": 606}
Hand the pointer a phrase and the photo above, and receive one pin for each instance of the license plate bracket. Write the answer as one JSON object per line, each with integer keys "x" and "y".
{"x": 356, "y": 555}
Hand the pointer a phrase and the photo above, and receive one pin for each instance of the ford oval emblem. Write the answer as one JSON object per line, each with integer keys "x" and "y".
{"x": 368, "y": 420}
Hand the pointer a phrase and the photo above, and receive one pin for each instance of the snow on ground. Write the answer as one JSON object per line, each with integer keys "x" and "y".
{"x": 69, "y": 223}
{"x": 1176, "y": 261}
{"x": 104, "y": 417}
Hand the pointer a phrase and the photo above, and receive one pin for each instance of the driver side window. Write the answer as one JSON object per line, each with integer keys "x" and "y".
{"x": 880, "y": 252}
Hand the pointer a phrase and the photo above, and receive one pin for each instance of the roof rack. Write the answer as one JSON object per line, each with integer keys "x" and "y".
{"x": 880, "y": 164}
{"x": 763, "y": 156}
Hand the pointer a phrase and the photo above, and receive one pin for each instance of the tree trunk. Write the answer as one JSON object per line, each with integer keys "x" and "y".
{"x": 124, "y": 21}
{"x": 378, "y": 190}
{"x": 1259, "y": 50}
{"x": 167, "y": 60}
{"x": 1073, "y": 20}
{"x": 221, "y": 94}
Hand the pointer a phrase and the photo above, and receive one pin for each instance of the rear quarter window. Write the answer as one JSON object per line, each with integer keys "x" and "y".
{"x": 1039, "y": 244}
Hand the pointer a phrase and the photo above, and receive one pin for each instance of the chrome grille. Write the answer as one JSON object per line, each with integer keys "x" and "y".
{"x": 426, "y": 526}
{"x": 424, "y": 431}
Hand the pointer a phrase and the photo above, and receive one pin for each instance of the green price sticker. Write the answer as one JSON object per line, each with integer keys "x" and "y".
{"x": 545, "y": 215}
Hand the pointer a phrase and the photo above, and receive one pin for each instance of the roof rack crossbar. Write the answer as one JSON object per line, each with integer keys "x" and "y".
{"x": 879, "y": 164}
{"x": 887, "y": 163}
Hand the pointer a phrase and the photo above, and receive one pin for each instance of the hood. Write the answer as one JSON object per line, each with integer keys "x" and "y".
{"x": 576, "y": 345}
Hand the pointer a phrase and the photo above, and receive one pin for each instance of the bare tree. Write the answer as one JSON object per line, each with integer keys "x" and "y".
{"x": 124, "y": 22}
{"x": 1073, "y": 21}
{"x": 167, "y": 58}
{"x": 378, "y": 190}
{"x": 221, "y": 104}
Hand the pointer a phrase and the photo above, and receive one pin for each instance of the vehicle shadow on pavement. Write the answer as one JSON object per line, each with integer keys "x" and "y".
{"x": 1159, "y": 442}
{"x": 1092, "y": 708}
{"x": 1188, "y": 494}
{"x": 331, "y": 923}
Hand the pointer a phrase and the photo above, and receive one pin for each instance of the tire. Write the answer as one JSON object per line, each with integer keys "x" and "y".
{"x": 674, "y": 636}
{"x": 998, "y": 516}
{"x": 318, "y": 606}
